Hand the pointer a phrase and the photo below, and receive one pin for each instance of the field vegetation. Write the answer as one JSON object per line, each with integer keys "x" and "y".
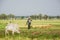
{"x": 40, "y": 30}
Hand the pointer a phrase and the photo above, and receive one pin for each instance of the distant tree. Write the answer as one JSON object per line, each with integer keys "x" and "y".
{"x": 50, "y": 17}
{"x": 22, "y": 17}
{"x": 45, "y": 17}
{"x": 58, "y": 17}
{"x": 40, "y": 16}
{"x": 3, "y": 16}
{"x": 11, "y": 16}
{"x": 34, "y": 17}
{"x": 37, "y": 16}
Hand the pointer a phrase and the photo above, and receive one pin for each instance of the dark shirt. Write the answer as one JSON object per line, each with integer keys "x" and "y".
{"x": 29, "y": 21}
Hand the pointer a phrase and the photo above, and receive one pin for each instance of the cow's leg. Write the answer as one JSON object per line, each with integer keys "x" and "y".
{"x": 6, "y": 32}
{"x": 13, "y": 33}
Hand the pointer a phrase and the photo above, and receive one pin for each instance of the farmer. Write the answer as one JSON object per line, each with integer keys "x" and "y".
{"x": 29, "y": 22}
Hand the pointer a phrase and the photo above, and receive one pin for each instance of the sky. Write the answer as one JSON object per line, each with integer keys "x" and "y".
{"x": 30, "y": 7}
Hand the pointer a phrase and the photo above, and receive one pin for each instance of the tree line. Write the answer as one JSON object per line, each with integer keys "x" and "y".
{"x": 39, "y": 16}
{"x": 4, "y": 16}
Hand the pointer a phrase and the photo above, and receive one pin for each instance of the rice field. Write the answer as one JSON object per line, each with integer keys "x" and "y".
{"x": 37, "y": 32}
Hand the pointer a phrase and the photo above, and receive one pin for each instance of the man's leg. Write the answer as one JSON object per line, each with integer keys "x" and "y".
{"x": 28, "y": 26}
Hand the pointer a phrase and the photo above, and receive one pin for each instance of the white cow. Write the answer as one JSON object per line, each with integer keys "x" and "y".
{"x": 12, "y": 27}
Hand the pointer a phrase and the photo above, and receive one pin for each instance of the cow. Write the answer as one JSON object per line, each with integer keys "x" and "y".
{"x": 11, "y": 27}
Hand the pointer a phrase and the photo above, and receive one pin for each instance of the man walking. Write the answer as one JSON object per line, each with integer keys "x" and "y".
{"x": 29, "y": 23}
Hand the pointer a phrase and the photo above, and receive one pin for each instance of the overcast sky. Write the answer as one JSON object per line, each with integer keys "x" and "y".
{"x": 30, "y": 7}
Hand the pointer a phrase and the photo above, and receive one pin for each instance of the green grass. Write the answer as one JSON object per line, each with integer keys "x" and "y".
{"x": 52, "y": 33}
